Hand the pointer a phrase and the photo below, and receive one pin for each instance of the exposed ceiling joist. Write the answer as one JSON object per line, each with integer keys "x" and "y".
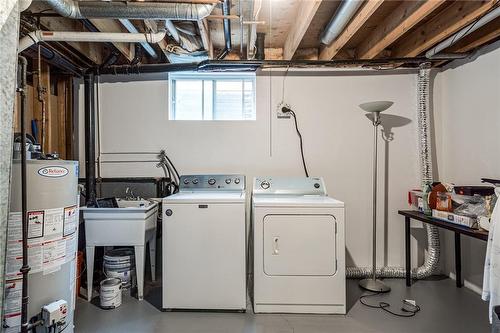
{"x": 451, "y": 19}
{"x": 368, "y": 9}
{"x": 305, "y": 13}
{"x": 107, "y": 25}
{"x": 205, "y": 37}
{"x": 402, "y": 19}
{"x": 480, "y": 37}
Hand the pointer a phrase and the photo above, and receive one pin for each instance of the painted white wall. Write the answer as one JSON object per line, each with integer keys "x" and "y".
{"x": 467, "y": 118}
{"x": 337, "y": 143}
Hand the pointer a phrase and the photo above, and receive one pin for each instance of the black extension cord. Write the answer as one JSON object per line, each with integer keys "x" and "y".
{"x": 288, "y": 110}
{"x": 408, "y": 312}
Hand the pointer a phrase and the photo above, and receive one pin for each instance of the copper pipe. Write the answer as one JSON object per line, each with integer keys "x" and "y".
{"x": 40, "y": 92}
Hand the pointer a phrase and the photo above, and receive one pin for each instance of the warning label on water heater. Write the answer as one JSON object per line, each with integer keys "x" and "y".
{"x": 52, "y": 240}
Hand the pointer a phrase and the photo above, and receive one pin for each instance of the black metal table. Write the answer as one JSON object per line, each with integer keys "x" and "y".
{"x": 456, "y": 228}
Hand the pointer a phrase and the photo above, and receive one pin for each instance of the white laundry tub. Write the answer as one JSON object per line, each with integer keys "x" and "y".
{"x": 133, "y": 223}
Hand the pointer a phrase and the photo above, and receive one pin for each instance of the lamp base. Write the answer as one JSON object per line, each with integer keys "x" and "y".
{"x": 374, "y": 285}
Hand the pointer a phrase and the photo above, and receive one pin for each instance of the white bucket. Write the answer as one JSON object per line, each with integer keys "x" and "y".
{"x": 120, "y": 263}
{"x": 111, "y": 293}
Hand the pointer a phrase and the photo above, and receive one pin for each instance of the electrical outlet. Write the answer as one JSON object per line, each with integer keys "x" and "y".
{"x": 282, "y": 115}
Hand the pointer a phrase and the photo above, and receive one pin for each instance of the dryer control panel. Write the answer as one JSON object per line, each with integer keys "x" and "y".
{"x": 289, "y": 185}
{"x": 212, "y": 182}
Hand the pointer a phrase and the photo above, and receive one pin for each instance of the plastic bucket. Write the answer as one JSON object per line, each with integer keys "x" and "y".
{"x": 120, "y": 263}
{"x": 111, "y": 293}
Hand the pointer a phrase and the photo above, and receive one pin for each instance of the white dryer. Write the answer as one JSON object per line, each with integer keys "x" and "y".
{"x": 299, "y": 247}
{"x": 204, "y": 244}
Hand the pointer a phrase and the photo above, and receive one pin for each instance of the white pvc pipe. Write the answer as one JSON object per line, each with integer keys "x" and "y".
{"x": 37, "y": 36}
{"x": 464, "y": 32}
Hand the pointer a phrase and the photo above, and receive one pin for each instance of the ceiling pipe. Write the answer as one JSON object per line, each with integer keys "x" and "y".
{"x": 131, "y": 10}
{"x": 342, "y": 16}
{"x": 37, "y": 36}
{"x": 131, "y": 28}
{"x": 226, "y": 11}
{"x": 490, "y": 16}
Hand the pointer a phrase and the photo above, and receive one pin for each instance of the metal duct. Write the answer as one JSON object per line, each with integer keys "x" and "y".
{"x": 493, "y": 14}
{"x": 130, "y": 10}
{"x": 339, "y": 21}
{"x": 431, "y": 260}
{"x": 72, "y": 36}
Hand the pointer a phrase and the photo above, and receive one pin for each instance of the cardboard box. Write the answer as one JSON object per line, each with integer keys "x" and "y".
{"x": 457, "y": 219}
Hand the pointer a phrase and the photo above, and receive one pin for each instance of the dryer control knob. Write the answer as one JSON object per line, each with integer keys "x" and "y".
{"x": 237, "y": 181}
{"x": 265, "y": 184}
{"x": 211, "y": 181}
{"x": 228, "y": 181}
{"x": 186, "y": 181}
{"x": 195, "y": 181}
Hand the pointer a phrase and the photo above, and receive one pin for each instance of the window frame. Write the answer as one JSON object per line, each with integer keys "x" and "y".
{"x": 214, "y": 77}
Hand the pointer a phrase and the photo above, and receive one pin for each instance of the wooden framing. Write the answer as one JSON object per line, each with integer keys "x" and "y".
{"x": 402, "y": 19}
{"x": 354, "y": 25}
{"x": 106, "y": 25}
{"x": 482, "y": 36}
{"x": 451, "y": 19}
{"x": 305, "y": 13}
{"x": 205, "y": 37}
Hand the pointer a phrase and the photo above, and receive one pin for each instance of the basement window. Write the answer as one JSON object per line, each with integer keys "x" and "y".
{"x": 221, "y": 96}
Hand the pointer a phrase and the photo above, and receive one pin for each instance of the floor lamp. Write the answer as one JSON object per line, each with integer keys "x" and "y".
{"x": 372, "y": 284}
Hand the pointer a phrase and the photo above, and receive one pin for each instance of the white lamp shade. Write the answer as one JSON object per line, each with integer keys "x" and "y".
{"x": 377, "y": 106}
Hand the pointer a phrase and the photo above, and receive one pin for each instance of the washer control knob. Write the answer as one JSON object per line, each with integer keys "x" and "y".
{"x": 211, "y": 181}
{"x": 195, "y": 181}
{"x": 265, "y": 184}
{"x": 228, "y": 181}
{"x": 237, "y": 181}
{"x": 316, "y": 185}
{"x": 186, "y": 181}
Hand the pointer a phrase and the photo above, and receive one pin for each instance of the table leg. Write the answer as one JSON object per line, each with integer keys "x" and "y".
{"x": 90, "y": 270}
{"x": 458, "y": 260}
{"x": 407, "y": 251}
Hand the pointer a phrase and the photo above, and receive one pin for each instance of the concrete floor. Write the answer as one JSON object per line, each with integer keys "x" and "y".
{"x": 445, "y": 308}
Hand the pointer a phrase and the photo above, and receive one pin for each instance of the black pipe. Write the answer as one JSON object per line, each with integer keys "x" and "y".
{"x": 25, "y": 268}
{"x": 90, "y": 181}
{"x": 252, "y": 65}
{"x": 53, "y": 58}
{"x": 259, "y": 45}
{"x": 226, "y": 25}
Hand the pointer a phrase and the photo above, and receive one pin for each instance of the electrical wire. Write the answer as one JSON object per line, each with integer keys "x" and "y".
{"x": 406, "y": 313}
{"x": 288, "y": 110}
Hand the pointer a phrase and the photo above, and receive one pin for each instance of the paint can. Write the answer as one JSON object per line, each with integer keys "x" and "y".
{"x": 111, "y": 293}
{"x": 120, "y": 263}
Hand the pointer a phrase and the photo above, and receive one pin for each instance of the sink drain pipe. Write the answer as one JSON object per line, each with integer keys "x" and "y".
{"x": 431, "y": 260}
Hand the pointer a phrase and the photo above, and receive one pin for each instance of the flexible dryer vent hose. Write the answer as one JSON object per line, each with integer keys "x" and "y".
{"x": 431, "y": 260}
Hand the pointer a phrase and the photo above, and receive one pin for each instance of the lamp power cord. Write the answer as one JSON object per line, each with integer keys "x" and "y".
{"x": 408, "y": 310}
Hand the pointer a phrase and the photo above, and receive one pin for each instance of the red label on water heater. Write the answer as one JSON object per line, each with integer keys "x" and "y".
{"x": 53, "y": 171}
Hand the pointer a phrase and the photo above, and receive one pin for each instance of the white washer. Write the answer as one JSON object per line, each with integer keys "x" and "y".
{"x": 204, "y": 244}
{"x": 299, "y": 247}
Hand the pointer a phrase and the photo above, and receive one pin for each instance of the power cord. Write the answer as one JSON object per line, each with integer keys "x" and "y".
{"x": 288, "y": 110}
{"x": 409, "y": 309}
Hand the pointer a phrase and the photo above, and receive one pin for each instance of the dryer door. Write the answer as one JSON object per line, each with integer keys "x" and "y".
{"x": 299, "y": 245}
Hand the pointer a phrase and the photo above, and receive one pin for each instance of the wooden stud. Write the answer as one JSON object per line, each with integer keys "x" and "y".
{"x": 37, "y": 105}
{"x": 61, "y": 115}
{"x": 305, "y": 14}
{"x": 451, "y": 19}
{"x": 107, "y": 25}
{"x": 205, "y": 37}
{"x": 368, "y": 9}
{"x": 402, "y": 19}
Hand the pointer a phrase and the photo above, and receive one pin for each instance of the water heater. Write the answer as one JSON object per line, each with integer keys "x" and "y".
{"x": 53, "y": 211}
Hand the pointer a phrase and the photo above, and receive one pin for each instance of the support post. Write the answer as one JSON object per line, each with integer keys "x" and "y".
{"x": 90, "y": 182}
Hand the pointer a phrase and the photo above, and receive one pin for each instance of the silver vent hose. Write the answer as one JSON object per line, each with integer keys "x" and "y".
{"x": 431, "y": 260}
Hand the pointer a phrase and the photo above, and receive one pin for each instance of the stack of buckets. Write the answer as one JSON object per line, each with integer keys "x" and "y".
{"x": 119, "y": 269}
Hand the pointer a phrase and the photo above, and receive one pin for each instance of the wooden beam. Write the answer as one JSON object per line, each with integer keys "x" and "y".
{"x": 402, "y": 19}
{"x": 273, "y": 53}
{"x": 311, "y": 53}
{"x": 305, "y": 13}
{"x": 368, "y": 9}
{"x": 92, "y": 51}
{"x": 480, "y": 37}
{"x": 108, "y": 25}
{"x": 205, "y": 37}
{"x": 450, "y": 20}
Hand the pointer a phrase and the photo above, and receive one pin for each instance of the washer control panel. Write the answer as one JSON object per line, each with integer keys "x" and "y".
{"x": 289, "y": 185}
{"x": 212, "y": 182}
